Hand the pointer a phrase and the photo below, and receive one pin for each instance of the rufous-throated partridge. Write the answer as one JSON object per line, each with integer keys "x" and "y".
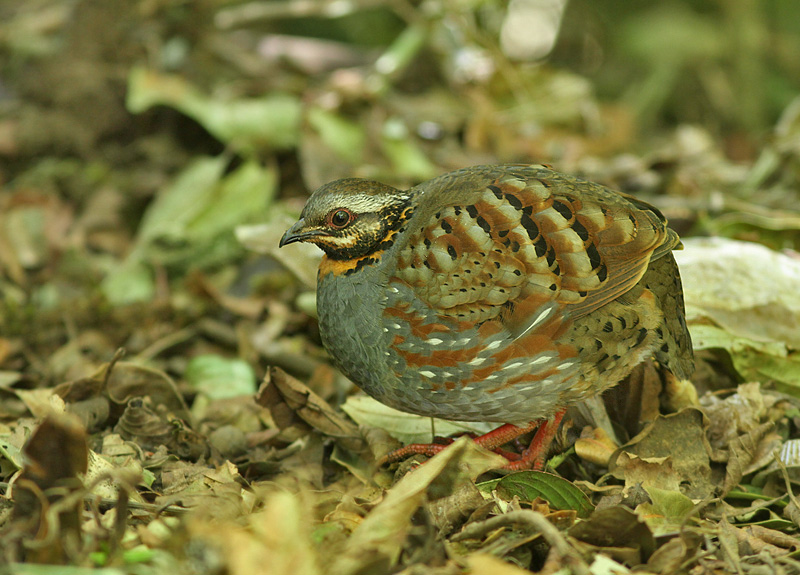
{"x": 493, "y": 293}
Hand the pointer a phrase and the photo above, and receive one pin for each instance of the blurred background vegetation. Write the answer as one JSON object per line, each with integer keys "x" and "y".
{"x": 135, "y": 136}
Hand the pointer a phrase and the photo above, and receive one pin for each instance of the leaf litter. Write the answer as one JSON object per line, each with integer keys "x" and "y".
{"x": 134, "y": 324}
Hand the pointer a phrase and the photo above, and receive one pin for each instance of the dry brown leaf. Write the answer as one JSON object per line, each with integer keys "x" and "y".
{"x": 378, "y": 540}
{"x": 211, "y": 493}
{"x": 595, "y": 446}
{"x": 48, "y": 494}
{"x": 451, "y": 511}
{"x": 485, "y": 564}
{"x": 681, "y": 437}
{"x": 755, "y": 539}
{"x": 309, "y": 407}
{"x": 249, "y": 307}
{"x": 618, "y": 532}
{"x": 635, "y": 402}
{"x": 673, "y": 554}
{"x": 125, "y": 381}
{"x": 729, "y": 546}
{"x": 41, "y": 402}
{"x": 275, "y": 540}
{"x": 646, "y": 472}
{"x": 742, "y": 453}
{"x": 734, "y": 415}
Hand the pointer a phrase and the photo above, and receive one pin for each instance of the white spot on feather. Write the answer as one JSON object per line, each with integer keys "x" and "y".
{"x": 541, "y": 316}
{"x": 542, "y": 359}
{"x": 539, "y": 319}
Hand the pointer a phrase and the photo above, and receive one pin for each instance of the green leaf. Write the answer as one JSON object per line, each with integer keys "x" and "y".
{"x": 191, "y": 222}
{"x": 742, "y": 297}
{"x": 11, "y": 453}
{"x": 139, "y": 554}
{"x": 706, "y": 336}
{"x": 407, "y": 158}
{"x": 671, "y": 504}
{"x": 784, "y": 371}
{"x": 557, "y": 491}
{"x": 241, "y": 195}
{"x": 272, "y": 121}
{"x": 765, "y": 518}
{"x": 177, "y": 205}
{"x": 667, "y": 512}
{"x": 219, "y": 377}
{"x": 754, "y": 495}
{"x": 753, "y": 360}
{"x": 345, "y": 138}
{"x": 130, "y": 282}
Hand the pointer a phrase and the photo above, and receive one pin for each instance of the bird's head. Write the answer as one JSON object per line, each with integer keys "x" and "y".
{"x": 351, "y": 218}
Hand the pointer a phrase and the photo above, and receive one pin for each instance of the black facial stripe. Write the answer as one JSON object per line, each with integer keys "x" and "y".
{"x": 372, "y": 235}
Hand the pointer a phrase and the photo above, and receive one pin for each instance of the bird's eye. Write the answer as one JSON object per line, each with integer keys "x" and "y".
{"x": 340, "y": 218}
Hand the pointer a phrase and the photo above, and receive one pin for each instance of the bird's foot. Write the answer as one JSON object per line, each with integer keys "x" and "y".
{"x": 532, "y": 457}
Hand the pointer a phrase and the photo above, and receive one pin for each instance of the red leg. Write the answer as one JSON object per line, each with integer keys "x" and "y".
{"x": 493, "y": 441}
{"x": 503, "y": 434}
{"x": 429, "y": 449}
{"x": 534, "y": 456}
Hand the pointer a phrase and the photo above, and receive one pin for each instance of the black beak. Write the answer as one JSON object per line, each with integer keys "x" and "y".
{"x": 297, "y": 234}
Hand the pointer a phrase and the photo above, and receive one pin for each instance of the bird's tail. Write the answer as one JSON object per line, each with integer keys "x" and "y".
{"x": 674, "y": 350}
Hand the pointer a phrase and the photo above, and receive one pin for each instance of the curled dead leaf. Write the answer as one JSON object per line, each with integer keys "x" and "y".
{"x": 294, "y": 397}
{"x": 595, "y": 447}
{"x": 46, "y": 511}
